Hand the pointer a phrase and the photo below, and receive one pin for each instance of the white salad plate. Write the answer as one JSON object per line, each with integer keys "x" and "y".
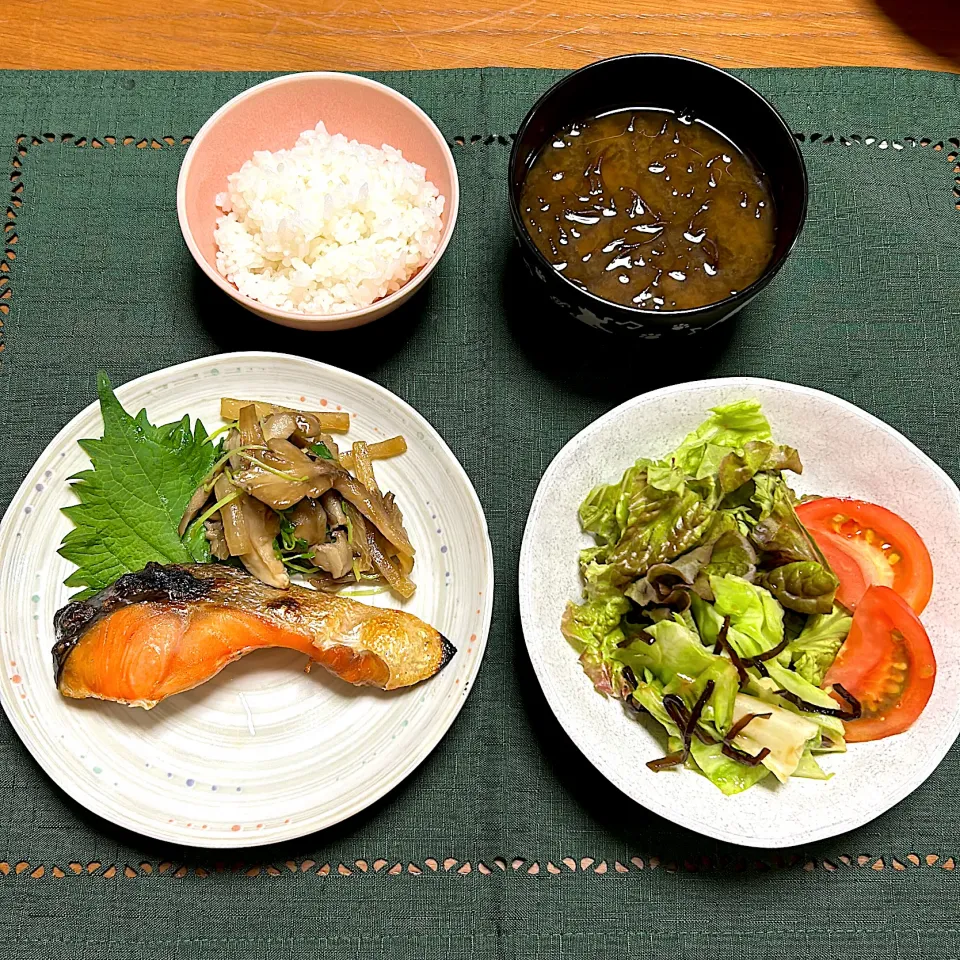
{"x": 262, "y": 752}
{"x": 845, "y": 452}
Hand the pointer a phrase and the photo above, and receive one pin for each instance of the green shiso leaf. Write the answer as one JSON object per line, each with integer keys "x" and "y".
{"x": 131, "y": 501}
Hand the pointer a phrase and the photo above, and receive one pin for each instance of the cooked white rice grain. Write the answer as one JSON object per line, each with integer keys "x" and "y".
{"x": 328, "y": 226}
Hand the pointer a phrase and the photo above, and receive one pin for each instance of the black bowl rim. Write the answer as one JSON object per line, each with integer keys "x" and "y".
{"x": 741, "y": 297}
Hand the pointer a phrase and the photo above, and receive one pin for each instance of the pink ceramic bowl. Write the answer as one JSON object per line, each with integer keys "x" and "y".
{"x": 271, "y": 116}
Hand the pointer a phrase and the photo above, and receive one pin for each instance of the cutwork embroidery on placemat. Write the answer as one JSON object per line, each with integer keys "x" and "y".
{"x": 951, "y": 147}
{"x": 22, "y": 146}
{"x": 567, "y": 865}
{"x": 24, "y": 142}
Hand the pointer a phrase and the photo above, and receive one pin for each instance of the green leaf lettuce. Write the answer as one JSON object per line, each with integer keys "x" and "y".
{"x": 803, "y": 585}
{"x": 730, "y": 427}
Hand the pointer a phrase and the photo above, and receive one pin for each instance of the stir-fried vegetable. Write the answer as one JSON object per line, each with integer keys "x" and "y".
{"x": 378, "y": 451}
{"x": 308, "y": 424}
{"x": 269, "y": 490}
{"x": 282, "y": 500}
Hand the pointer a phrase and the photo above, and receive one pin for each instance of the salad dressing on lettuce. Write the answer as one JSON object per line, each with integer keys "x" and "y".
{"x": 650, "y": 209}
{"x": 708, "y": 605}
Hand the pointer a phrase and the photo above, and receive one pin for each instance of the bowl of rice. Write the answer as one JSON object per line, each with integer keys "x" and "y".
{"x": 318, "y": 200}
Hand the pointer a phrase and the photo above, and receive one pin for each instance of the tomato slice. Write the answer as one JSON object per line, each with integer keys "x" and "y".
{"x": 887, "y": 663}
{"x": 869, "y": 545}
{"x": 853, "y": 583}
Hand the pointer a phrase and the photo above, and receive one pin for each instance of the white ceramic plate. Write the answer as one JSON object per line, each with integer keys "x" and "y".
{"x": 845, "y": 452}
{"x": 263, "y": 752}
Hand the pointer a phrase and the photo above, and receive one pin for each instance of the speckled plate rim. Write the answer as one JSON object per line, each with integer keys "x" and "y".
{"x": 90, "y": 799}
{"x": 557, "y": 699}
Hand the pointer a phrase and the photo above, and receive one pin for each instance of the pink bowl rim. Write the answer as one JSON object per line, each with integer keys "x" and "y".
{"x": 381, "y": 306}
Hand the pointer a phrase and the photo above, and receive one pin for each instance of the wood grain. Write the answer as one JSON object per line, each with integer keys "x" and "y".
{"x": 420, "y": 34}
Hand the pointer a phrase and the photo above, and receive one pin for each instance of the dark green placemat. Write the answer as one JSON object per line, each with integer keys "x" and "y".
{"x": 505, "y": 842}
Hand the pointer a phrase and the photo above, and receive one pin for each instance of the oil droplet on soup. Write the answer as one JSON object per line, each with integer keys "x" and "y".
{"x": 650, "y": 209}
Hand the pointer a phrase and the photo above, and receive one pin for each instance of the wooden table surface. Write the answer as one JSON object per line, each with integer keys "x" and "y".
{"x": 419, "y": 34}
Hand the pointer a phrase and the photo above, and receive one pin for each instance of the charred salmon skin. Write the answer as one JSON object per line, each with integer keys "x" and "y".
{"x": 168, "y": 629}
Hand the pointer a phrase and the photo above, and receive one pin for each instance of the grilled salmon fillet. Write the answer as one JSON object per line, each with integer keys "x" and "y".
{"x": 168, "y": 629}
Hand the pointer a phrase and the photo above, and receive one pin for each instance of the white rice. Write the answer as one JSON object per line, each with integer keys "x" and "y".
{"x": 328, "y": 226}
